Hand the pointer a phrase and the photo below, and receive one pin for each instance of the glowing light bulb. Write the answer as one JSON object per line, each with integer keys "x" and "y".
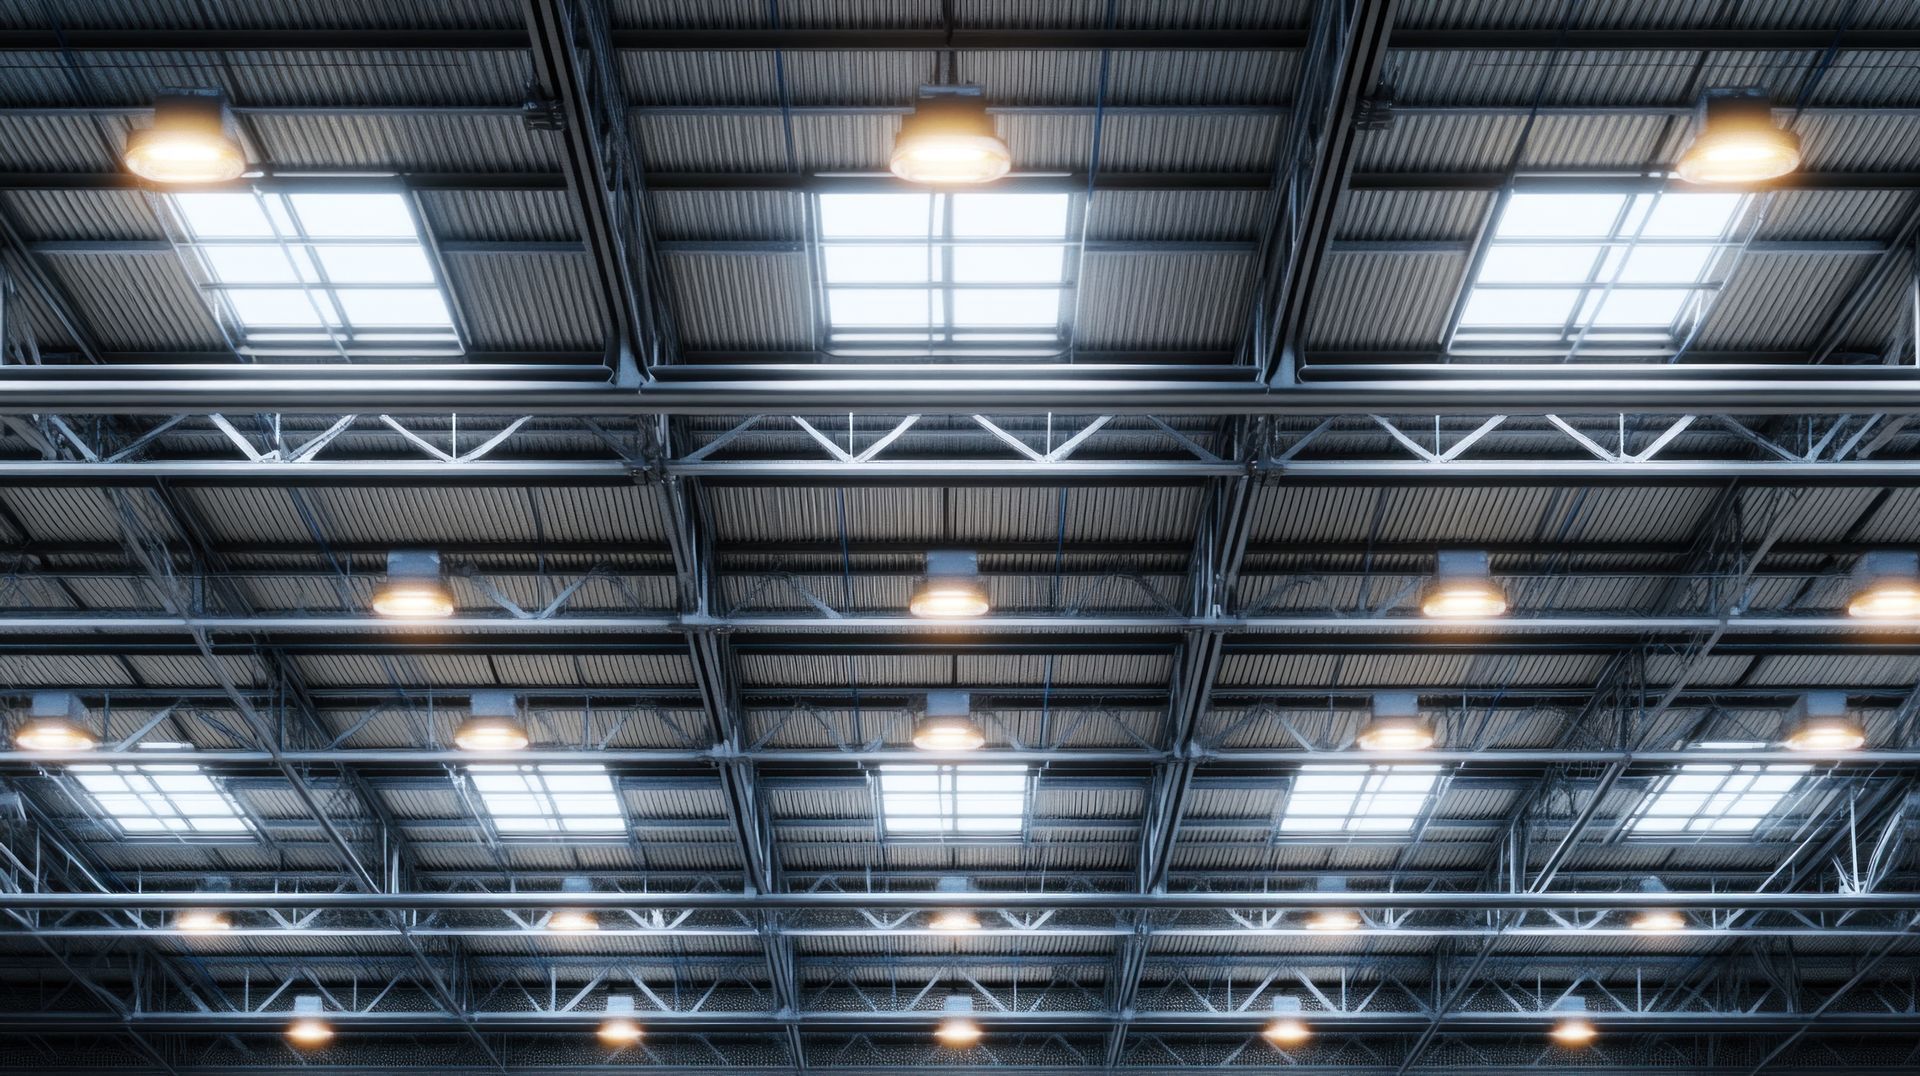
{"x": 958, "y": 1033}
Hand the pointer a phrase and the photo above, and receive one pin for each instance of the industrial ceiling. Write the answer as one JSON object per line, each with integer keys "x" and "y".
{"x": 587, "y": 320}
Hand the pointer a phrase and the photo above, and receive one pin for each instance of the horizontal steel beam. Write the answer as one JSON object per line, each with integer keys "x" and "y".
{"x": 920, "y": 1022}
{"x": 1480, "y": 760}
{"x": 1294, "y": 900}
{"x": 1686, "y": 39}
{"x": 1034, "y": 390}
{"x": 109, "y": 623}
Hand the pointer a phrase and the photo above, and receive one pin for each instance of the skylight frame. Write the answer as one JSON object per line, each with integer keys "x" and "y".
{"x": 1668, "y": 809}
{"x": 160, "y": 800}
{"x": 945, "y": 329}
{"x": 1622, "y": 270}
{"x": 949, "y": 800}
{"x": 552, "y": 809}
{"x": 333, "y": 308}
{"x": 1358, "y": 799}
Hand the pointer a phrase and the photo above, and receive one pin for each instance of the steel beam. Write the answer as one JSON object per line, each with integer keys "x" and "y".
{"x": 943, "y": 390}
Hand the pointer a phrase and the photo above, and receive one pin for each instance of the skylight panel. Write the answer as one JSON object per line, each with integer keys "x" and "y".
{"x": 1564, "y": 270}
{"x": 162, "y": 799}
{"x": 363, "y": 278}
{"x": 558, "y": 800}
{"x": 1711, "y": 798}
{"x": 1358, "y": 799}
{"x": 964, "y": 800}
{"x": 960, "y": 270}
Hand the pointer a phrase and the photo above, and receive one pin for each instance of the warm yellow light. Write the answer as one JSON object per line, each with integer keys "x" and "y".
{"x": 202, "y": 920}
{"x": 1574, "y": 1031}
{"x": 1463, "y": 600}
{"x": 413, "y": 600}
{"x": 949, "y": 138}
{"x": 958, "y": 1033}
{"x": 948, "y": 734}
{"x": 53, "y": 734}
{"x": 620, "y": 1032}
{"x": 954, "y": 919}
{"x": 489, "y": 734}
{"x": 1739, "y": 143}
{"x": 1659, "y": 919}
{"x": 187, "y": 143}
{"x": 572, "y": 920}
{"x": 949, "y": 598}
{"x": 1890, "y": 599}
{"x": 1287, "y": 1031}
{"x": 1395, "y": 734}
{"x": 1334, "y": 919}
{"x": 309, "y": 1031}
{"x": 1826, "y": 734}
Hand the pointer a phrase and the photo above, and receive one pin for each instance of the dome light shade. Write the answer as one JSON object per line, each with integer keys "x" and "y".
{"x": 1573, "y": 1028}
{"x": 414, "y": 589}
{"x": 188, "y": 142}
{"x": 489, "y": 734}
{"x": 948, "y": 724}
{"x": 1395, "y": 725}
{"x": 1821, "y": 721}
{"x": 1736, "y": 141}
{"x": 952, "y": 588}
{"x": 56, "y": 722}
{"x": 1886, "y": 585}
{"x": 958, "y": 1031}
{"x": 492, "y": 725}
{"x": 620, "y": 1029}
{"x": 949, "y": 138}
{"x": 309, "y": 1029}
{"x": 1286, "y": 1028}
{"x": 203, "y": 920}
{"x": 1462, "y": 588}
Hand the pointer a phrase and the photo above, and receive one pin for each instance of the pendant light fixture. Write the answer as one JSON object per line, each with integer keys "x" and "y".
{"x": 948, "y": 724}
{"x": 1886, "y": 585}
{"x": 188, "y": 142}
{"x": 949, "y": 139}
{"x": 309, "y": 1028}
{"x": 414, "y": 588}
{"x": 953, "y": 919}
{"x": 1735, "y": 140}
{"x": 951, "y": 589}
{"x": 1395, "y": 724}
{"x": 55, "y": 722}
{"x": 1462, "y": 587}
{"x": 957, "y": 1030}
{"x": 492, "y": 724}
{"x": 573, "y": 920}
{"x": 620, "y": 1029}
{"x": 1821, "y": 721}
{"x": 1286, "y": 1029}
{"x": 1657, "y": 920}
{"x": 1573, "y": 1028}
{"x": 1332, "y": 917}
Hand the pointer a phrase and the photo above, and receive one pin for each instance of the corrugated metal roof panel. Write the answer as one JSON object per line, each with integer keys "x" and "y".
{"x": 1173, "y": 301}
{"x": 526, "y": 302}
{"x": 748, "y": 302}
{"x": 138, "y": 302}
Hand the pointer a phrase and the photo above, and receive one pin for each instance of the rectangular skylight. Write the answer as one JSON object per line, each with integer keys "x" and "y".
{"x": 936, "y": 800}
{"x": 317, "y": 272}
{"x": 1358, "y": 799}
{"x": 961, "y": 271}
{"x": 1598, "y": 270}
{"x": 551, "y": 799}
{"x": 156, "y": 799}
{"x": 1715, "y": 798}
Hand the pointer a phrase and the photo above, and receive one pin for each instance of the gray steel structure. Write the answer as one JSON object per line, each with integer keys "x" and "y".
{"x": 683, "y": 529}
